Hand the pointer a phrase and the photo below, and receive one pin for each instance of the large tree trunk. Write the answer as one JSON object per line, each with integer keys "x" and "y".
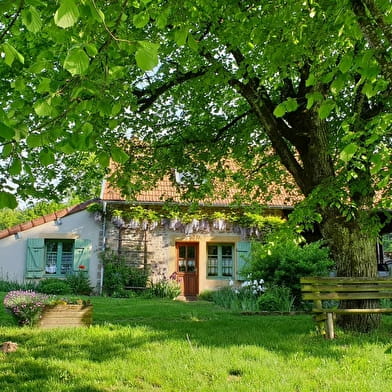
{"x": 353, "y": 249}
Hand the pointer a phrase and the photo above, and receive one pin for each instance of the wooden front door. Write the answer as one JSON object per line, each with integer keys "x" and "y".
{"x": 187, "y": 267}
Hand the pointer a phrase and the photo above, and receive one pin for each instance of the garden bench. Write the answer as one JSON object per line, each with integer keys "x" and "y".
{"x": 321, "y": 289}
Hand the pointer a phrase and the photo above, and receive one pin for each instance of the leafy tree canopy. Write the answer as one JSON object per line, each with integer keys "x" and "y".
{"x": 280, "y": 86}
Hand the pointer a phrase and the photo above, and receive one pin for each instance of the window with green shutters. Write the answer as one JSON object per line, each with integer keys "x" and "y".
{"x": 220, "y": 261}
{"x": 56, "y": 257}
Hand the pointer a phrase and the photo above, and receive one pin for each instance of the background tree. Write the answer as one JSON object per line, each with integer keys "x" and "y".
{"x": 280, "y": 87}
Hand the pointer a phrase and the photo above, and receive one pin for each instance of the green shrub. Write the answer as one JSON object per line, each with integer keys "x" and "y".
{"x": 138, "y": 277}
{"x": 165, "y": 288}
{"x": 276, "y": 298}
{"x": 282, "y": 260}
{"x": 79, "y": 283}
{"x": 53, "y": 286}
{"x": 116, "y": 273}
{"x": 207, "y": 295}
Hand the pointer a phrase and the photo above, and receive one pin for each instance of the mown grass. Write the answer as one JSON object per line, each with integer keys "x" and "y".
{"x": 158, "y": 345}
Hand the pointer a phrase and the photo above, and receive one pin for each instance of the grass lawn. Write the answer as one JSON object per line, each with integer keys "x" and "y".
{"x": 157, "y": 345}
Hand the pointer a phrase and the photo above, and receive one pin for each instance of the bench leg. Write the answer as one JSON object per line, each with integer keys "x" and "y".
{"x": 329, "y": 324}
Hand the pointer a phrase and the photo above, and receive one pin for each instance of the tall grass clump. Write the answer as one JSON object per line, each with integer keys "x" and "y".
{"x": 240, "y": 298}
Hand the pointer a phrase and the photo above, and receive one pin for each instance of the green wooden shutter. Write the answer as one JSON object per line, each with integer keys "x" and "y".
{"x": 82, "y": 254}
{"x": 35, "y": 257}
{"x": 243, "y": 251}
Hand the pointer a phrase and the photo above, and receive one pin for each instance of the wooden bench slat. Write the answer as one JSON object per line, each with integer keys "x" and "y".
{"x": 341, "y": 311}
{"x": 343, "y": 280}
{"x": 346, "y": 296}
{"x": 343, "y": 288}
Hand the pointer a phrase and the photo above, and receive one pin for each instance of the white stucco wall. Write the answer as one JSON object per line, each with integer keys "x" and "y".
{"x": 80, "y": 225}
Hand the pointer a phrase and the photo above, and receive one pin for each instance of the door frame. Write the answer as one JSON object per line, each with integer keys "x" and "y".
{"x": 184, "y": 276}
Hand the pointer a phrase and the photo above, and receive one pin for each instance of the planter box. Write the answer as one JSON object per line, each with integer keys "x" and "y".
{"x": 66, "y": 316}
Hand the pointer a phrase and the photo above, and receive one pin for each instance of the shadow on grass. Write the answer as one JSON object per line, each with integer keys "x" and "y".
{"x": 121, "y": 326}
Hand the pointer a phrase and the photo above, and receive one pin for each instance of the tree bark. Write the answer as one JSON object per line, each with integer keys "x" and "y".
{"x": 353, "y": 249}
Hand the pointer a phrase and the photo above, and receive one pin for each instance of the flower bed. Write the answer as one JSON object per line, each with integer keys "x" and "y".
{"x": 36, "y": 309}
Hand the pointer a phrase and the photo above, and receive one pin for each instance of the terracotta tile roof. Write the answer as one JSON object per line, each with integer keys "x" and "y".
{"x": 46, "y": 218}
{"x": 164, "y": 190}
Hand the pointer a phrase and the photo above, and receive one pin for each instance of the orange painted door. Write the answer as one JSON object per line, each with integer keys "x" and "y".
{"x": 187, "y": 267}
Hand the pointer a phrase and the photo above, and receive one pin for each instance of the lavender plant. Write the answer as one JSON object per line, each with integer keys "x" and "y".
{"x": 26, "y": 306}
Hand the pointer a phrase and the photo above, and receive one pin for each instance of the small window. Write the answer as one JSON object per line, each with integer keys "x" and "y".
{"x": 56, "y": 257}
{"x": 59, "y": 256}
{"x": 220, "y": 261}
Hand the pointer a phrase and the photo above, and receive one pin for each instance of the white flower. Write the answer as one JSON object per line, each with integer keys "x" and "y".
{"x": 231, "y": 283}
{"x": 261, "y": 281}
{"x": 254, "y": 292}
{"x": 255, "y": 282}
{"x": 237, "y": 291}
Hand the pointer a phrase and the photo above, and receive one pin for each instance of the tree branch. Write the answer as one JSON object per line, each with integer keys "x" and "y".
{"x": 147, "y": 97}
{"x": 13, "y": 20}
{"x": 368, "y": 29}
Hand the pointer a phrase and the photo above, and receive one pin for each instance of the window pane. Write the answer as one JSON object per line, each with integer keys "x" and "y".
{"x": 213, "y": 250}
{"x": 227, "y": 250}
{"x": 51, "y": 257}
{"x": 212, "y": 266}
{"x": 182, "y": 252}
{"x": 66, "y": 258}
{"x": 227, "y": 266}
{"x": 191, "y": 252}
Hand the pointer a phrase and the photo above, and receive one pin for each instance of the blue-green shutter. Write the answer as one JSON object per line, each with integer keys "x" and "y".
{"x": 82, "y": 254}
{"x": 243, "y": 251}
{"x": 35, "y": 257}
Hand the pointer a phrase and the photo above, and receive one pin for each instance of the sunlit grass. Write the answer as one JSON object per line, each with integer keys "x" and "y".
{"x": 157, "y": 345}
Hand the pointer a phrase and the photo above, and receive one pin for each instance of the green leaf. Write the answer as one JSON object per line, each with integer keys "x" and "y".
{"x": 161, "y": 21}
{"x": 19, "y": 84}
{"x": 76, "y": 62}
{"x": 7, "y": 150}
{"x": 312, "y": 98}
{"x": 11, "y": 54}
{"x": 116, "y": 108}
{"x": 34, "y": 140}
{"x": 147, "y": 55}
{"x": 67, "y": 15}
{"x": 180, "y": 36}
{"x": 291, "y": 105}
{"x": 43, "y": 109}
{"x": 46, "y": 157}
{"x": 7, "y": 200}
{"x": 378, "y": 163}
{"x": 345, "y": 63}
{"x": 91, "y": 50}
{"x": 280, "y": 110}
{"x": 311, "y": 81}
{"x": 338, "y": 84}
{"x": 326, "y": 108}
{"x": 44, "y": 86}
{"x": 103, "y": 159}
{"x": 348, "y": 152}
{"x": 119, "y": 155}
{"x": 141, "y": 19}
{"x": 6, "y": 132}
{"x": 15, "y": 167}
{"x": 31, "y": 18}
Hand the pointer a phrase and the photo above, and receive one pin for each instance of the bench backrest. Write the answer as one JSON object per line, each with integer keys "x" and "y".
{"x": 337, "y": 288}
